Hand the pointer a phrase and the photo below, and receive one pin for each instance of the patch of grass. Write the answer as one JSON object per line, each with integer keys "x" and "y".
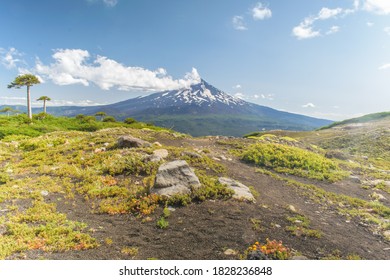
{"x": 41, "y": 227}
{"x": 292, "y": 160}
{"x": 271, "y": 249}
{"x": 300, "y": 226}
{"x": 162, "y": 223}
{"x": 130, "y": 251}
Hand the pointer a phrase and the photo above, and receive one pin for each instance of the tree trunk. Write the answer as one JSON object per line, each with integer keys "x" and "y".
{"x": 44, "y": 106}
{"x": 29, "y": 113}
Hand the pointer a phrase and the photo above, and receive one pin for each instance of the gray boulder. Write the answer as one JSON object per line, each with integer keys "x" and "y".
{"x": 128, "y": 141}
{"x": 157, "y": 155}
{"x": 241, "y": 192}
{"x": 175, "y": 177}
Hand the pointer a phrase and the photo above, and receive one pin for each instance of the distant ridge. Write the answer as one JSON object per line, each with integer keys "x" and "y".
{"x": 362, "y": 119}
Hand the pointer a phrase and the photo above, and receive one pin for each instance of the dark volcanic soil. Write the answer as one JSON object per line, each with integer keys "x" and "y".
{"x": 206, "y": 230}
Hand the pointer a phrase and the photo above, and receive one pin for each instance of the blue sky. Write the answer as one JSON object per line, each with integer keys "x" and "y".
{"x": 323, "y": 58}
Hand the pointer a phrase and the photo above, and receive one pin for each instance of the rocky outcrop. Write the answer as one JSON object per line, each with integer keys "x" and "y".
{"x": 128, "y": 141}
{"x": 241, "y": 192}
{"x": 175, "y": 177}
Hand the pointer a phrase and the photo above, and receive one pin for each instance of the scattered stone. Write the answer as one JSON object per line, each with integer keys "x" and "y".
{"x": 191, "y": 154}
{"x": 278, "y": 226}
{"x": 230, "y": 252}
{"x": 291, "y": 208}
{"x": 175, "y": 177}
{"x": 386, "y": 234}
{"x": 355, "y": 179}
{"x": 377, "y": 196}
{"x": 99, "y": 150}
{"x": 158, "y": 144}
{"x": 44, "y": 193}
{"x": 241, "y": 192}
{"x": 128, "y": 141}
{"x": 222, "y": 157}
{"x": 106, "y": 144}
{"x": 217, "y": 159}
{"x": 91, "y": 144}
{"x": 157, "y": 155}
{"x": 172, "y": 209}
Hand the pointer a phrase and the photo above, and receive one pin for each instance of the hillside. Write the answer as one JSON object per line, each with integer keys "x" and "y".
{"x": 77, "y": 194}
{"x": 199, "y": 110}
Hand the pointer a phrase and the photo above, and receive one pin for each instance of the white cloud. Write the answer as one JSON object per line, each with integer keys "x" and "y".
{"x": 370, "y": 24}
{"x": 239, "y": 23}
{"x": 10, "y": 58}
{"x": 305, "y": 29}
{"x": 387, "y": 30}
{"x": 333, "y": 29}
{"x": 73, "y": 66}
{"x": 381, "y": 7}
{"x": 260, "y": 12}
{"x": 239, "y": 95}
{"x": 237, "y": 86}
{"x": 110, "y": 3}
{"x": 309, "y": 105}
{"x": 384, "y": 66}
{"x": 326, "y": 13}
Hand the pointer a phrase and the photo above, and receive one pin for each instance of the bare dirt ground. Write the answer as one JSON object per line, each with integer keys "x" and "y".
{"x": 206, "y": 230}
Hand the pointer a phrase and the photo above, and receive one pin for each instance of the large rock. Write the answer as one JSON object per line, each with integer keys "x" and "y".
{"x": 128, "y": 141}
{"x": 241, "y": 192}
{"x": 175, "y": 177}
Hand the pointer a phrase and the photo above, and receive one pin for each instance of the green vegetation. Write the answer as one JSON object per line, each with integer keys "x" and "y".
{"x": 14, "y": 126}
{"x": 292, "y": 160}
{"x": 41, "y": 227}
{"x": 300, "y": 226}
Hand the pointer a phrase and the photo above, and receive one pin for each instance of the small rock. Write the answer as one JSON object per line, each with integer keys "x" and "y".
{"x": 230, "y": 252}
{"x": 386, "y": 234}
{"x": 292, "y": 208}
{"x": 157, "y": 155}
{"x": 278, "y": 226}
{"x": 377, "y": 196}
{"x": 241, "y": 192}
{"x": 222, "y": 157}
{"x": 128, "y": 141}
{"x": 44, "y": 193}
{"x": 106, "y": 144}
{"x": 355, "y": 179}
{"x": 91, "y": 144}
{"x": 99, "y": 150}
{"x": 158, "y": 144}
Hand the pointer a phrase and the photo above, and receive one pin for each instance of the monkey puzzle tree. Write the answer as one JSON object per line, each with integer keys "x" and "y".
{"x": 101, "y": 115}
{"x": 44, "y": 99}
{"x": 27, "y": 80}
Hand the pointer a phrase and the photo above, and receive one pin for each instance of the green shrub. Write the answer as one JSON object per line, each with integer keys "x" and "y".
{"x": 129, "y": 121}
{"x": 109, "y": 119}
{"x": 292, "y": 160}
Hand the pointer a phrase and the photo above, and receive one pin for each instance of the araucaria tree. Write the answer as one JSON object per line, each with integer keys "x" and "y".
{"x": 44, "y": 99}
{"x": 27, "y": 80}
